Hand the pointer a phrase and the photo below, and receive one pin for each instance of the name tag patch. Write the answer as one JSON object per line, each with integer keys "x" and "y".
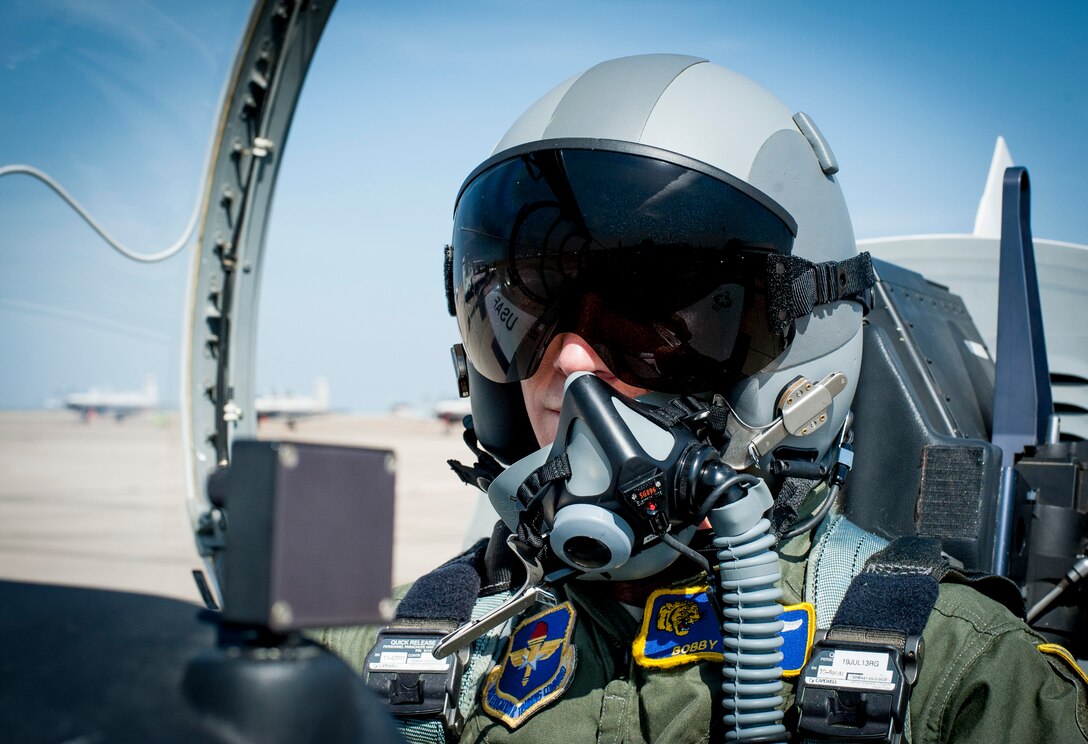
{"x": 537, "y": 668}
{"x": 680, "y": 626}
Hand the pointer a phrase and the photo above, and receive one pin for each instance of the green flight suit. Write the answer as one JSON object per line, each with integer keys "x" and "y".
{"x": 983, "y": 678}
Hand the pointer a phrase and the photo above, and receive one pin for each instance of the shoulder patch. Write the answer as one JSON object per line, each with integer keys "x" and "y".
{"x": 1058, "y": 650}
{"x": 798, "y": 630}
{"x": 537, "y": 668}
{"x": 678, "y": 626}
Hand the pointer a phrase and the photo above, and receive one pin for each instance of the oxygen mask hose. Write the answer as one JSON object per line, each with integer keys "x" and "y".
{"x": 749, "y": 573}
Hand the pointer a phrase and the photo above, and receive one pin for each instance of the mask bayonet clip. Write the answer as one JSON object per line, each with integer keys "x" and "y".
{"x": 530, "y": 593}
{"x": 803, "y": 408}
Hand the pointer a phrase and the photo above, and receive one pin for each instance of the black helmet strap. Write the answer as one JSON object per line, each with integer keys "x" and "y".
{"x": 795, "y": 285}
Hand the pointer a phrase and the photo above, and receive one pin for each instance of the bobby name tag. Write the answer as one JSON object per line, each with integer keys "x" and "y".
{"x": 680, "y": 626}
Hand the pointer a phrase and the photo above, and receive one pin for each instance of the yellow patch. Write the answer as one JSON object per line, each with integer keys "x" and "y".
{"x": 679, "y": 626}
{"x": 1055, "y": 649}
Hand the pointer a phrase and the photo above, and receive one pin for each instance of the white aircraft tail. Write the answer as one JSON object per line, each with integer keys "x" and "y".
{"x": 151, "y": 391}
{"x": 988, "y": 216}
{"x": 321, "y": 392}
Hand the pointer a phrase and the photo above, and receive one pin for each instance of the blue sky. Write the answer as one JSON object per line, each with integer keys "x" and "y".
{"x": 116, "y": 100}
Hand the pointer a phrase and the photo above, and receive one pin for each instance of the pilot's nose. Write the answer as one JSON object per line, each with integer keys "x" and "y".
{"x": 575, "y": 355}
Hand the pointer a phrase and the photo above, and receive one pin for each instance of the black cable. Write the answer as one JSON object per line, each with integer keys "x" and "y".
{"x": 716, "y": 495}
{"x": 686, "y": 551}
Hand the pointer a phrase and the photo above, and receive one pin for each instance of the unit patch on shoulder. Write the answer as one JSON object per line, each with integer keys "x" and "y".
{"x": 678, "y": 626}
{"x": 537, "y": 668}
{"x": 798, "y": 629}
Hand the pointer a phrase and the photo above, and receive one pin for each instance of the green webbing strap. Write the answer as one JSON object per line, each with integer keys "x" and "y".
{"x": 839, "y": 551}
{"x": 421, "y": 731}
{"x": 485, "y": 652}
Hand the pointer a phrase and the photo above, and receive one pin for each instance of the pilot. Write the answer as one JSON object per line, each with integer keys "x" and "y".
{"x": 673, "y": 230}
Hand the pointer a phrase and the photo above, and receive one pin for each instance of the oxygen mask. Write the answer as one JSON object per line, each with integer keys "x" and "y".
{"x": 622, "y": 484}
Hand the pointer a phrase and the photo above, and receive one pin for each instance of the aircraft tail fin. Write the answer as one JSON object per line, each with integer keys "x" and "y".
{"x": 321, "y": 392}
{"x": 988, "y": 216}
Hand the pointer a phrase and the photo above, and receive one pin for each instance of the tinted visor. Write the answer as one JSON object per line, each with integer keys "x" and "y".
{"x": 656, "y": 262}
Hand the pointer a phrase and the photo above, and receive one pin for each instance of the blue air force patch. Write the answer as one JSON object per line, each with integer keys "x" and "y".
{"x": 679, "y": 626}
{"x": 537, "y": 668}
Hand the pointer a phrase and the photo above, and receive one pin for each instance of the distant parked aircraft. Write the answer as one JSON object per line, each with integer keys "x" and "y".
{"x": 292, "y": 407}
{"x": 117, "y": 403}
{"x": 453, "y": 410}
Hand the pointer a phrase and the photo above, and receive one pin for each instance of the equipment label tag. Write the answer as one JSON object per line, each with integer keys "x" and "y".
{"x": 867, "y": 670}
{"x": 406, "y": 654}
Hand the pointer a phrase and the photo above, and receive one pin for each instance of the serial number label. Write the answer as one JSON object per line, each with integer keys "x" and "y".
{"x": 406, "y": 654}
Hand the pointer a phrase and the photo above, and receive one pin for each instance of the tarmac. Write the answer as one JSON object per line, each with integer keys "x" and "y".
{"x": 103, "y": 503}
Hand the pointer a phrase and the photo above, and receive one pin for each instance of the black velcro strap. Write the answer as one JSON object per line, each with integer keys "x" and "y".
{"x": 795, "y": 285}
{"x": 897, "y": 589}
{"x": 786, "y": 504}
{"x": 445, "y": 596}
{"x": 448, "y": 593}
{"x": 888, "y": 602}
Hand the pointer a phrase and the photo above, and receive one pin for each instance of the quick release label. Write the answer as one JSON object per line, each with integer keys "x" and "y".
{"x": 843, "y": 668}
{"x": 406, "y": 654}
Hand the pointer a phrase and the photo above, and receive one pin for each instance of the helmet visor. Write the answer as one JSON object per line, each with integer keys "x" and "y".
{"x": 658, "y": 265}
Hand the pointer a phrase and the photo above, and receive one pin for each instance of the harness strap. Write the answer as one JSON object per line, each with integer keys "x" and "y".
{"x": 887, "y": 604}
{"x": 484, "y": 655}
{"x": 838, "y": 554}
{"x": 894, "y": 593}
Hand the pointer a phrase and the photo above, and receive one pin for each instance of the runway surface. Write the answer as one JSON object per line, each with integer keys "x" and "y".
{"x": 102, "y": 503}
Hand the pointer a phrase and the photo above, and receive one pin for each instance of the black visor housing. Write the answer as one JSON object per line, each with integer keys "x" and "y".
{"x": 658, "y": 261}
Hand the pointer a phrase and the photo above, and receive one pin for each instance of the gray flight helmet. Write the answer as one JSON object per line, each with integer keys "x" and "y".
{"x": 700, "y": 110}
